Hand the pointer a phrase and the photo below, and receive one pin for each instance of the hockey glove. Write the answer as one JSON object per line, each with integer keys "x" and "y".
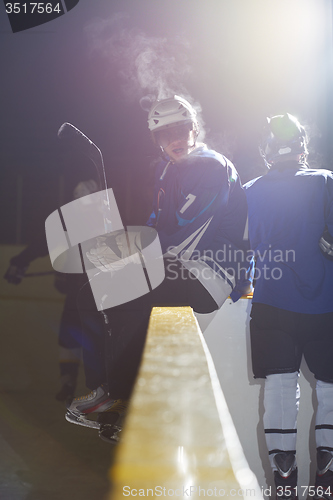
{"x": 113, "y": 253}
{"x": 15, "y": 274}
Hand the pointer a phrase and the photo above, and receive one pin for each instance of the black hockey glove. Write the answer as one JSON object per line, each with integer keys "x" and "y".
{"x": 15, "y": 274}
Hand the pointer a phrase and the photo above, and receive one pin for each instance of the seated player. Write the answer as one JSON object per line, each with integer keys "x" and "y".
{"x": 199, "y": 213}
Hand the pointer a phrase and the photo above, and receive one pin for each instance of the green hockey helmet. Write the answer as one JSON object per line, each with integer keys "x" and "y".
{"x": 284, "y": 138}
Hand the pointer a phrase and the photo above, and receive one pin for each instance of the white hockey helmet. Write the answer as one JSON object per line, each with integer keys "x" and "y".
{"x": 170, "y": 112}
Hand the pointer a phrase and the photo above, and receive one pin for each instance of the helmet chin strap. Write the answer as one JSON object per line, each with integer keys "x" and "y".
{"x": 195, "y": 131}
{"x": 193, "y": 145}
{"x": 163, "y": 154}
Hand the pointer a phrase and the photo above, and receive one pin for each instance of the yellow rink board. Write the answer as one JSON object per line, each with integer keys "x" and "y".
{"x": 179, "y": 439}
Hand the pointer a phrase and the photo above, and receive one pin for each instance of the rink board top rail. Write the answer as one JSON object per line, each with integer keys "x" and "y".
{"x": 179, "y": 439}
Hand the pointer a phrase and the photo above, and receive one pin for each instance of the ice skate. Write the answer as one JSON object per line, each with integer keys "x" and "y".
{"x": 324, "y": 476}
{"x": 285, "y": 477}
{"x": 324, "y": 486}
{"x": 111, "y": 421}
{"x": 96, "y": 401}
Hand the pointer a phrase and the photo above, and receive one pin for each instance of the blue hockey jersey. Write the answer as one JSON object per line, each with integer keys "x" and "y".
{"x": 288, "y": 210}
{"x": 200, "y": 214}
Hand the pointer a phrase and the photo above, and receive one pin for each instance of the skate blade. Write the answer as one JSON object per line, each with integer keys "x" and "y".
{"x": 81, "y": 420}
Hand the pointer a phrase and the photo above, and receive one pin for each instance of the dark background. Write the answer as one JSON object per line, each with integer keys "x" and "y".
{"x": 240, "y": 60}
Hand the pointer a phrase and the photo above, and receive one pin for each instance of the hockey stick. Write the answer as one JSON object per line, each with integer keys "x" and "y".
{"x": 78, "y": 140}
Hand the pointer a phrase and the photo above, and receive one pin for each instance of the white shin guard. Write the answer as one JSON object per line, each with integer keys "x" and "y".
{"x": 324, "y": 417}
{"x": 281, "y": 402}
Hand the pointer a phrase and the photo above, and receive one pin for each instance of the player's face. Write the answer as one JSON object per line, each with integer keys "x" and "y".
{"x": 177, "y": 141}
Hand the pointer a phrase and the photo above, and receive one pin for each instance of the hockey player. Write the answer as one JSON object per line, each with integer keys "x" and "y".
{"x": 70, "y": 329}
{"x": 292, "y": 311}
{"x": 200, "y": 213}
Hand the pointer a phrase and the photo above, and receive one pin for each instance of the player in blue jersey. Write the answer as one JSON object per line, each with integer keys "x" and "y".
{"x": 290, "y": 212}
{"x": 200, "y": 215}
{"x": 199, "y": 208}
